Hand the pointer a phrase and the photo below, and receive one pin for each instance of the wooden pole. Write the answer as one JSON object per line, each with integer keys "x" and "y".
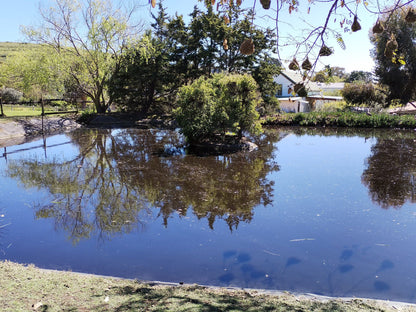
{"x": 43, "y": 106}
{"x": 1, "y": 107}
{"x": 43, "y": 113}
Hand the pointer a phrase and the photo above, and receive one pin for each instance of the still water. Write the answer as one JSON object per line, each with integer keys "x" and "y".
{"x": 314, "y": 211}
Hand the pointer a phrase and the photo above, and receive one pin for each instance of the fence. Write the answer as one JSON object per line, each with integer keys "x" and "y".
{"x": 42, "y": 103}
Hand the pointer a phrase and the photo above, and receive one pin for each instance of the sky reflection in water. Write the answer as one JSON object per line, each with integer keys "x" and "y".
{"x": 321, "y": 212}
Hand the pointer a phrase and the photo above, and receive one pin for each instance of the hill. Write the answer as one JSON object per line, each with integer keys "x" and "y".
{"x": 7, "y": 48}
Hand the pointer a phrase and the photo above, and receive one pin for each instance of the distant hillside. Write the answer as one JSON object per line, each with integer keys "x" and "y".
{"x": 7, "y": 48}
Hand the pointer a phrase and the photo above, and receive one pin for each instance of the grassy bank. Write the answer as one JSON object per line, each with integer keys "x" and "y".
{"x": 343, "y": 119}
{"x": 27, "y": 288}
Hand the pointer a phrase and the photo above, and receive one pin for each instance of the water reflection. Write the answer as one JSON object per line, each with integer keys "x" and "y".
{"x": 118, "y": 178}
{"x": 390, "y": 172}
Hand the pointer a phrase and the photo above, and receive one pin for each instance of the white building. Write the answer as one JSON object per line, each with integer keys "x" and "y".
{"x": 291, "y": 103}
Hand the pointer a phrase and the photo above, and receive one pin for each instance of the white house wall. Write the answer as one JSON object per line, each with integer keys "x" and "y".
{"x": 294, "y": 105}
{"x": 282, "y": 80}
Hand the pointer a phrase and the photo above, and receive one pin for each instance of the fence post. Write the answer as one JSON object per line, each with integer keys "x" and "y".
{"x": 1, "y": 107}
{"x": 43, "y": 107}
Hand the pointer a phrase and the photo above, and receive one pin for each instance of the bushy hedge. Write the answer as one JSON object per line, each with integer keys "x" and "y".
{"x": 344, "y": 119}
{"x": 211, "y": 107}
{"x": 359, "y": 93}
{"x": 10, "y": 95}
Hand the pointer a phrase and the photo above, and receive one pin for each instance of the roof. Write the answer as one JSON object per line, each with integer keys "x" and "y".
{"x": 295, "y": 77}
{"x": 331, "y": 86}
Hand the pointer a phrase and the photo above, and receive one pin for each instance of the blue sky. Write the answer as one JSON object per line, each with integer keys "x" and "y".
{"x": 356, "y": 57}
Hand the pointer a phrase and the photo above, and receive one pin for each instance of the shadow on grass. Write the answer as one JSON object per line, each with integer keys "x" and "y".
{"x": 198, "y": 298}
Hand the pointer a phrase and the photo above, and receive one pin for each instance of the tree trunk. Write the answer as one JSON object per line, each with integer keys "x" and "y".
{"x": 99, "y": 107}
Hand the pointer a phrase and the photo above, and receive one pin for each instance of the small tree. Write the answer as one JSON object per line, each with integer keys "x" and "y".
{"x": 209, "y": 107}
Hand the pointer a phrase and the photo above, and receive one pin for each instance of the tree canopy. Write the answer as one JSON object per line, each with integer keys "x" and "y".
{"x": 179, "y": 53}
{"x": 337, "y": 17}
{"x": 395, "y": 54}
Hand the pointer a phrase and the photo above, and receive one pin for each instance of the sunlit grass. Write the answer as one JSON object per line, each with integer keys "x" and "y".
{"x": 12, "y": 110}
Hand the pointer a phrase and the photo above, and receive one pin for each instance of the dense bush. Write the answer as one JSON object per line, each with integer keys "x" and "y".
{"x": 344, "y": 119}
{"x": 211, "y": 107}
{"x": 365, "y": 93}
{"x": 9, "y": 95}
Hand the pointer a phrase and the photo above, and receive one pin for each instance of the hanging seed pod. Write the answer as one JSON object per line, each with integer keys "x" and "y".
{"x": 325, "y": 51}
{"x": 153, "y": 2}
{"x": 307, "y": 65}
{"x": 239, "y": 2}
{"x": 213, "y": 2}
{"x": 247, "y": 47}
{"x": 265, "y": 4}
{"x": 391, "y": 46}
{"x": 225, "y": 44}
{"x": 226, "y": 19}
{"x": 378, "y": 28}
{"x": 411, "y": 16}
{"x": 294, "y": 65}
{"x": 298, "y": 87}
{"x": 355, "y": 25}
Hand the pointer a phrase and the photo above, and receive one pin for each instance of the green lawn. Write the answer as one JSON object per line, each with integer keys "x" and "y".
{"x": 12, "y": 110}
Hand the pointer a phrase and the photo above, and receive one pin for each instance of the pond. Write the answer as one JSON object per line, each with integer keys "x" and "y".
{"x": 328, "y": 212}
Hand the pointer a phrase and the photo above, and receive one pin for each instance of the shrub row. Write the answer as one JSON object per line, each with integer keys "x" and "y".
{"x": 342, "y": 119}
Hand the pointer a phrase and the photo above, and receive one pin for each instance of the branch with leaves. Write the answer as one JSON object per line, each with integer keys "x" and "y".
{"x": 314, "y": 44}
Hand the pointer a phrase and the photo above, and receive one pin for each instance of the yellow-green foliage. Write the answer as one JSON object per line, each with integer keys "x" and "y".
{"x": 334, "y": 106}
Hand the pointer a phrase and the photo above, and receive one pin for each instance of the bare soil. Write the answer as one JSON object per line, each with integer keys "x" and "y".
{"x": 17, "y": 130}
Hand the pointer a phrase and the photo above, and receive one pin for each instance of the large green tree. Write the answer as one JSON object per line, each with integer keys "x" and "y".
{"x": 92, "y": 34}
{"x": 182, "y": 53}
{"x": 310, "y": 37}
{"x": 395, "y": 55}
{"x": 148, "y": 78}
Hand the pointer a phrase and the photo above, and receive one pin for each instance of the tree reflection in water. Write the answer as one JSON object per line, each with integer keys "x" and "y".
{"x": 390, "y": 173}
{"x": 119, "y": 177}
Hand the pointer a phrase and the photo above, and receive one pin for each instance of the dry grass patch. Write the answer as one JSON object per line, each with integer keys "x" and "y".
{"x": 27, "y": 288}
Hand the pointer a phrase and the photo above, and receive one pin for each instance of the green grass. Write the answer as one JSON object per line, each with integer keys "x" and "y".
{"x": 13, "y": 110}
{"x": 27, "y": 288}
